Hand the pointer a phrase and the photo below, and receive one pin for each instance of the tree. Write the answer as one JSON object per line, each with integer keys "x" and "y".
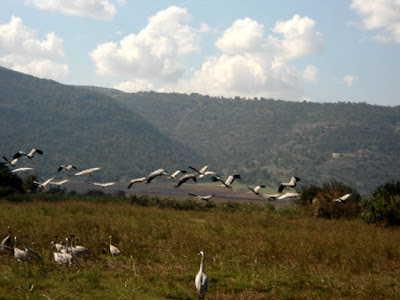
{"x": 9, "y": 182}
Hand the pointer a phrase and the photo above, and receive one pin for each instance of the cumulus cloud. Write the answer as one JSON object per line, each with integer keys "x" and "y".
{"x": 154, "y": 52}
{"x": 383, "y": 15}
{"x": 136, "y": 85}
{"x": 253, "y": 65}
{"x": 23, "y": 51}
{"x": 250, "y": 63}
{"x": 349, "y": 80}
{"x": 97, "y": 9}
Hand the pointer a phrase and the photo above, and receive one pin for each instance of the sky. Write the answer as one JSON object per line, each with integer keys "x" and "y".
{"x": 320, "y": 51}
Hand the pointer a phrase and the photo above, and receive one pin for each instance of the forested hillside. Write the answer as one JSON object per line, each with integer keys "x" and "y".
{"x": 265, "y": 140}
{"x": 81, "y": 127}
{"x": 268, "y": 141}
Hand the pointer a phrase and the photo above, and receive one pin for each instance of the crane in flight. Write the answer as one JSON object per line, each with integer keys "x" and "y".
{"x": 228, "y": 182}
{"x": 136, "y": 180}
{"x": 205, "y": 197}
{"x": 256, "y": 189}
{"x": 291, "y": 184}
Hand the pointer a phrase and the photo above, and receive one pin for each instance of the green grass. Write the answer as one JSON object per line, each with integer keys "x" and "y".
{"x": 251, "y": 252}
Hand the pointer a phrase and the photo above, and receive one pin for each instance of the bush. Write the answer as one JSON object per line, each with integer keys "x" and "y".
{"x": 325, "y": 207}
{"x": 383, "y": 207}
{"x": 307, "y": 194}
{"x": 9, "y": 182}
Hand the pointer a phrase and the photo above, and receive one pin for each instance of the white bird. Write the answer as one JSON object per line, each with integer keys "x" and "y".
{"x": 59, "y": 183}
{"x": 29, "y": 155}
{"x": 61, "y": 258}
{"x": 228, "y": 182}
{"x": 173, "y": 175}
{"x": 256, "y": 189}
{"x": 342, "y": 199}
{"x": 21, "y": 170}
{"x": 58, "y": 246}
{"x": 291, "y": 184}
{"x": 11, "y": 163}
{"x": 45, "y": 183}
{"x": 7, "y": 240}
{"x": 205, "y": 198}
{"x": 154, "y": 174}
{"x": 201, "y": 171}
{"x": 20, "y": 255}
{"x": 23, "y": 255}
{"x": 4, "y": 249}
{"x": 66, "y": 168}
{"x": 206, "y": 173}
{"x": 114, "y": 250}
{"x": 288, "y": 195}
{"x": 271, "y": 197}
{"x": 185, "y": 178}
{"x": 104, "y": 185}
{"x": 78, "y": 250}
{"x": 201, "y": 279}
{"x": 136, "y": 180}
{"x": 87, "y": 171}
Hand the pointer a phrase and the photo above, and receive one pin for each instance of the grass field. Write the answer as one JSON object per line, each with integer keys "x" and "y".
{"x": 251, "y": 252}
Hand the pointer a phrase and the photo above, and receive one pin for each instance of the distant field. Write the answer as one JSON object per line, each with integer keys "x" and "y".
{"x": 251, "y": 252}
{"x": 240, "y": 191}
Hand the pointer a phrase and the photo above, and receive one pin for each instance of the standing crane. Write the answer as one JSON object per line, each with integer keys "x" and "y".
{"x": 201, "y": 279}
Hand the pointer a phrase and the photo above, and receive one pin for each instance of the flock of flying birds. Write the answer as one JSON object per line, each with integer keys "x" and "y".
{"x": 65, "y": 252}
{"x": 185, "y": 176}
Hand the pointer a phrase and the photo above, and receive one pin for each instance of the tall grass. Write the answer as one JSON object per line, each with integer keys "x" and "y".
{"x": 251, "y": 252}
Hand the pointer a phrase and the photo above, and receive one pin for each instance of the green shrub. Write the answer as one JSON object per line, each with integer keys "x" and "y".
{"x": 307, "y": 194}
{"x": 9, "y": 182}
{"x": 383, "y": 207}
{"x": 324, "y": 205}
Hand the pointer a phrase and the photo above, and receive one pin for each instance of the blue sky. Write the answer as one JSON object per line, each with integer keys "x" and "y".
{"x": 322, "y": 51}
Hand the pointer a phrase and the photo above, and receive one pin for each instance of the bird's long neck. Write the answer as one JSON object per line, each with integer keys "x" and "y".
{"x": 201, "y": 264}
{"x": 15, "y": 242}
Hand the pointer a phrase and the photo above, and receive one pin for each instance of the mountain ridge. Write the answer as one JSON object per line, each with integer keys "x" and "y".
{"x": 265, "y": 140}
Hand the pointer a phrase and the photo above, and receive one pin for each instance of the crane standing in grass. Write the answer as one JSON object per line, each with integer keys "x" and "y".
{"x": 201, "y": 279}
{"x": 114, "y": 250}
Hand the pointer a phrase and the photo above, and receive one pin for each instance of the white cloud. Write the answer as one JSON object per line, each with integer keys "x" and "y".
{"x": 135, "y": 86}
{"x": 381, "y": 15}
{"x": 310, "y": 73}
{"x": 349, "y": 80}
{"x": 97, "y": 9}
{"x": 243, "y": 36}
{"x": 23, "y": 51}
{"x": 299, "y": 37}
{"x": 250, "y": 63}
{"x": 154, "y": 52}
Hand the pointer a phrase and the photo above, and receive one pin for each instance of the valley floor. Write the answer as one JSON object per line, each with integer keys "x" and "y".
{"x": 251, "y": 252}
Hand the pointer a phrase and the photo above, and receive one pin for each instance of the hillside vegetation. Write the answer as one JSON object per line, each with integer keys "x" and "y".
{"x": 265, "y": 140}
{"x": 81, "y": 127}
{"x": 268, "y": 141}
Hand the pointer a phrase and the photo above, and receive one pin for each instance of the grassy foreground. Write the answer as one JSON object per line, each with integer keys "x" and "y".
{"x": 249, "y": 253}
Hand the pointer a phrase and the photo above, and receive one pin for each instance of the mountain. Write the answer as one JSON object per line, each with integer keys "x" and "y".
{"x": 82, "y": 127}
{"x": 266, "y": 141}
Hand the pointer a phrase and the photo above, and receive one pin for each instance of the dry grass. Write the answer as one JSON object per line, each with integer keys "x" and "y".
{"x": 251, "y": 254}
